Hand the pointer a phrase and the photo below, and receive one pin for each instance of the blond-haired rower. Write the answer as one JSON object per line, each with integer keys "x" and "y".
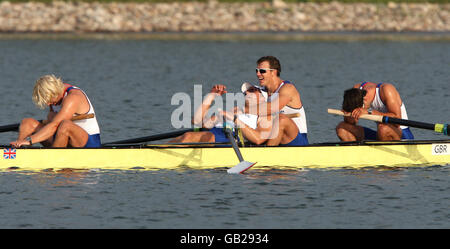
{"x": 64, "y": 102}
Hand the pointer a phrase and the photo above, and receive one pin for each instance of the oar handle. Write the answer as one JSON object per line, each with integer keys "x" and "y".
{"x": 376, "y": 118}
{"x": 440, "y": 128}
{"x": 290, "y": 115}
{"x": 83, "y": 116}
{"x": 293, "y": 115}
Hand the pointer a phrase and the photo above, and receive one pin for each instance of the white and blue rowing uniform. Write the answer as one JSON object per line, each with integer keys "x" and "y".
{"x": 251, "y": 120}
{"x": 302, "y": 137}
{"x": 378, "y": 105}
{"x": 219, "y": 132}
{"x": 90, "y": 125}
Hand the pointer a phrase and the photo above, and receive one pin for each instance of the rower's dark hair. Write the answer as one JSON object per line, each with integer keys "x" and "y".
{"x": 353, "y": 98}
{"x": 273, "y": 62}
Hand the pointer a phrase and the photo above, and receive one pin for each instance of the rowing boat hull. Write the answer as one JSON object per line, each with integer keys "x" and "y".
{"x": 332, "y": 155}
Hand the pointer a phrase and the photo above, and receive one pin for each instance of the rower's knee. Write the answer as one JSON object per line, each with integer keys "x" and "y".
{"x": 186, "y": 137}
{"x": 344, "y": 132}
{"x": 386, "y": 132}
{"x": 340, "y": 130}
{"x": 29, "y": 123}
{"x": 196, "y": 137}
{"x": 64, "y": 127}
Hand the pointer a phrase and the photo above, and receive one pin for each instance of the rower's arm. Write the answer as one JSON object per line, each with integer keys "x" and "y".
{"x": 260, "y": 134}
{"x": 200, "y": 114}
{"x": 202, "y": 110}
{"x": 276, "y": 105}
{"x": 68, "y": 109}
{"x": 392, "y": 100}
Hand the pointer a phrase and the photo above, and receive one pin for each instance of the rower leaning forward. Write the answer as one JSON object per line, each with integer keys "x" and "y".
{"x": 378, "y": 99}
{"x": 64, "y": 101}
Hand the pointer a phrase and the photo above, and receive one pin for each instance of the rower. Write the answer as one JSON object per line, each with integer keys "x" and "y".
{"x": 282, "y": 97}
{"x": 214, "y": 123}
{"x": 378, "y": 99}
{"x": 274, "y": 124}
{"x": 64, "y": 101}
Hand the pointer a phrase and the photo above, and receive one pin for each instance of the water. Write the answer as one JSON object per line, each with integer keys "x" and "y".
{"x": 131, "y": 82}
{"x": 403, "y": 198}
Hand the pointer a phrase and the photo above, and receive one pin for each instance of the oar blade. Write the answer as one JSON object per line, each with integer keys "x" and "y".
{"x": 240, "y": 167}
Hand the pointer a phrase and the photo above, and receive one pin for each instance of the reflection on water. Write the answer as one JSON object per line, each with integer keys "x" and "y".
{"x": 368, "y": 198}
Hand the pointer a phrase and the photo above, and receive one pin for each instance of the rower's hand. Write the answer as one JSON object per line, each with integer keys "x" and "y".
{"x": 19, "y": 143}
{"x": 357, "y": 112}
{"x": 227, "y": 115}
{"x": 219, "y": 89}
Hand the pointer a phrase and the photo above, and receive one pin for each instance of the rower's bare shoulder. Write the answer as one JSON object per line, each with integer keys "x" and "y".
{"x": 388, "y": 90}
{"x": 76, "y": 102}
{"x": 388, "y": 87}
{"x": 390, "y": 95}
{"x": 74, "y": 95}
{"x": 289, "y": 89}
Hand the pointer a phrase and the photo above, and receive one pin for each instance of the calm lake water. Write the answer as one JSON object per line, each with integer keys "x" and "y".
{"x": 131, "y": 81}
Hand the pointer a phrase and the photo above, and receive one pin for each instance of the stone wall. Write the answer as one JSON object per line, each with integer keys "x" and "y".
{"x": 218, "y": 17}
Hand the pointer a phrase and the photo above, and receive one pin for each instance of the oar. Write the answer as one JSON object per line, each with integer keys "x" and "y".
{"x": 11, "y": 127}
{"x": 15, "y": 127}
{"x": 242, "y": 165}
{"x": 155, "y": 137}
{"x": 440, "y": 128}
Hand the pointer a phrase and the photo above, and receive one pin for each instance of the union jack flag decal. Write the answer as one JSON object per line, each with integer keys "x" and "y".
{"x": 9, "y": 153}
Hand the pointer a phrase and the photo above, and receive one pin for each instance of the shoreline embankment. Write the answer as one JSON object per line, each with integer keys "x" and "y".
{"x": 212, "y": 16}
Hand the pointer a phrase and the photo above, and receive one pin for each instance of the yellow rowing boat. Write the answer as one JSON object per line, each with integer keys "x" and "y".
{"x": 417, "y": 153}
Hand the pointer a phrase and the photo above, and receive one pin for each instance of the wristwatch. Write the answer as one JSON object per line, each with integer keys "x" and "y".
{"x": 369, "y": 111}
{"x": 29, "y": 140}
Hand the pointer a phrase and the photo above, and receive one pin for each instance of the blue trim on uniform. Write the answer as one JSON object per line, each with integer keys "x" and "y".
{"x": 300, "y": 139}
{"x": 407, "y": 134}
{"x": 93, "y": 141}
{"x": 220, "y": 136}
{"x": 370, "y": 134}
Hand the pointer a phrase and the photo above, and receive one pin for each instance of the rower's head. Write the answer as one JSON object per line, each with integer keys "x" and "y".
{"x": 252, "y": 93}
{"x": 353, "y": 98}
{"x": 48, "y": 90}
{"x": 268, "y": 69}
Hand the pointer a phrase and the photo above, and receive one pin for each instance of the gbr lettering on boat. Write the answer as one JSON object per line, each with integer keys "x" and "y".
{"x": 440, "y": 149}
